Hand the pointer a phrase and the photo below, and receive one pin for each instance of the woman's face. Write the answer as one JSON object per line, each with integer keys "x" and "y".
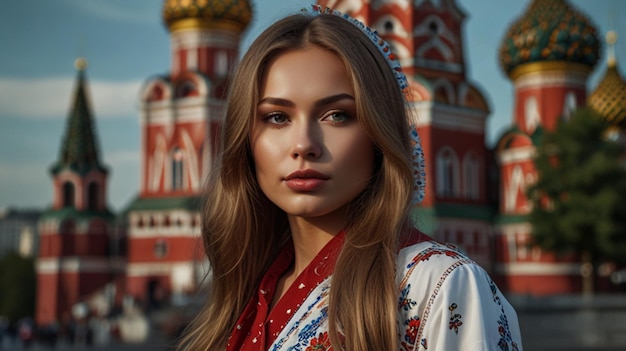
{"x": 311, "y": 156}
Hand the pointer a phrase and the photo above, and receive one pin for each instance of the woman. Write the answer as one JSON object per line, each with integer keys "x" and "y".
{"x": 307, "y": 217}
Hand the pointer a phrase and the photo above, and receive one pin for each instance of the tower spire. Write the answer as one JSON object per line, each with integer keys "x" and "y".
{"x": 611, "y": 39}
{"x": 79, "y": 151}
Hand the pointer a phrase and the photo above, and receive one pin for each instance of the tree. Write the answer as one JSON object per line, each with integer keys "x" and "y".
{"x": 18, "y": 282}
{"x": 579, "y": 199}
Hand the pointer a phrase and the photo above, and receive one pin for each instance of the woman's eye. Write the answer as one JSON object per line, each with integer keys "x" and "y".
{"x": 276, "y": 118}
{"x": 337, "y": 117}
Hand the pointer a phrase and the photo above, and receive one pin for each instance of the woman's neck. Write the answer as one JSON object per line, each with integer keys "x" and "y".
{"x": 309, "y": 238}
{"x": 310, "y": 235}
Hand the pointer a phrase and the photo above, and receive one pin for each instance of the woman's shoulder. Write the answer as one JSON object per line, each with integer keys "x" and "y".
{"x": 419, "y": 249}
{"x": 426, "y": 266}
{"x": 448, "y": 301}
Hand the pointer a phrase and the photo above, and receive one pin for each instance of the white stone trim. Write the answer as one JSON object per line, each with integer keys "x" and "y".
{"x": 164, "y": 232}
{"x": 47, "y": 265}
{"x": 158, "y": 112}
{"x": 193, "y": 109}
{"x": 185, "y": 230}
{"x": 147, "y": 269}
{"x": 428, "y": 113}
{"x": 551, "y": 79}
{"x": 458, "y": 119}
{"x": 520, "y": 154}
{"x": 438, "y": 65}
{"x": 194, "y": 38}
{"x": 73, "y": 265}
{"x": 537, "y": 268}
{"x": 192, "y": 58}
{"x": 420, "y": 113}
{"x": 514, "y": 228}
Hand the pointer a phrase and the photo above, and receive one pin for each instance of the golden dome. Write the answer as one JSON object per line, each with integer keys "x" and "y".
{"x": 183, "y": 14}
{"x": 609, "y": 97}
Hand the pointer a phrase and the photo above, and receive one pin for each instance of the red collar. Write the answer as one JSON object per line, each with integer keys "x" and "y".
{"x": 258, "y": 326}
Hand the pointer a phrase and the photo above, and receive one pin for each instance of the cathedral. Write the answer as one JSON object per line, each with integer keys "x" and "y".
{"x": 151, "y": 251}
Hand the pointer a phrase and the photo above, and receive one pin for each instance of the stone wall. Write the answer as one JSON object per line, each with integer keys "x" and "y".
{"x": 580, "y": 323}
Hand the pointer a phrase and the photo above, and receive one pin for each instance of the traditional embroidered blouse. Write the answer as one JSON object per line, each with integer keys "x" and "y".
{"x": 445, "y": 302}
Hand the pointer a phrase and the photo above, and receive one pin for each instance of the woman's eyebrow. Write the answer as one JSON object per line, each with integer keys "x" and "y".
{"x": 321, "y": 102}
{"x": 333, "y": 98}
{"x": 276, "y": 101}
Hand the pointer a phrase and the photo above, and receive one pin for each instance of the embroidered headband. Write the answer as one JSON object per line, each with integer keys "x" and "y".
{"x": 419, "y": 174}
{"x": 382, "y": 45}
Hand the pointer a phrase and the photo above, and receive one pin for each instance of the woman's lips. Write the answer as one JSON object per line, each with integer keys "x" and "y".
{"x": 305, "y": 180}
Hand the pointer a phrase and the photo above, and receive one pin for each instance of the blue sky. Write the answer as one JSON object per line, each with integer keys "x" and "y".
{"x": 125, "y": 43}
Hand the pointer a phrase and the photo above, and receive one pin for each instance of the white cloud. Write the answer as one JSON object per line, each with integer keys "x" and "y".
{"x": 29, "y": 184}
{"x": 124, "y": 177}
{"x": 25, "y": 185}
{"x": 122, "y": 158}
{"x": 52, "y": 97}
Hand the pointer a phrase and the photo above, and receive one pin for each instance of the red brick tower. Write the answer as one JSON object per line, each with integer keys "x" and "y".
{"x": 74, "y": 258}
{"x": 181, "y": 114}
{"x": 548, "y": 54}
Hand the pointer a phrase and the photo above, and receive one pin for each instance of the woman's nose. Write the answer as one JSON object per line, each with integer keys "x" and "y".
{"x": 306, "y": 141}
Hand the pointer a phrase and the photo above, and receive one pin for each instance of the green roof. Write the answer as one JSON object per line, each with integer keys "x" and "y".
{"x": 510, "y": 219}
{"x": 192, "y": 203}
{"x": 73, "y": 213}
{"x": 425, "y": 218}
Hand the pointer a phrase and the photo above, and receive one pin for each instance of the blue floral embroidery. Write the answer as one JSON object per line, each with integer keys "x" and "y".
{"x": 404, "y": 302}
{"x": 409, "y": 327}
{"x": 309, "y": 331}
{"x": 455, "y": 318}
{"x": 503, "y": 323}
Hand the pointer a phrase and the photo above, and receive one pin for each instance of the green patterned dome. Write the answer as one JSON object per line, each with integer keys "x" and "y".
{"x": 179, "y": 14}
{"x": 550, "y": 30}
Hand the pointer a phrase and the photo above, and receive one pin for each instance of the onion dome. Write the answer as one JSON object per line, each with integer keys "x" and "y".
{"x": 609, "y": 97}
{"x": 549, "y": 30}
{"x": 184, "y": 14}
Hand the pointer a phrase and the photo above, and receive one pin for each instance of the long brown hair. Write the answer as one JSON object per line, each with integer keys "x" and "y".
{"x": 243, "y": 230}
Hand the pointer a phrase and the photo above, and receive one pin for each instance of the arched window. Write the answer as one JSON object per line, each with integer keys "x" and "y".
{"x": 67, "y": 227}
{"x": 177, "y": 169}
{"x": 68, "y": 194}
{"x": 444, "y": 91}
{"x": 447, "y": 173}
{"x": 160, "y": 248}
{"x": 388, "y": 26}
{"x": 156, "y": 94}
{"x": 471, "y": 174}
{"x": 569, "y": 105}
{"x": 433, "y": 27}
{"x": 516, "y": 186}
{"x": 186, "y": 89}
{"x": 221, "y": 64}
{"x": 531, "y": 114}
{"x": 92, "y": 196}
